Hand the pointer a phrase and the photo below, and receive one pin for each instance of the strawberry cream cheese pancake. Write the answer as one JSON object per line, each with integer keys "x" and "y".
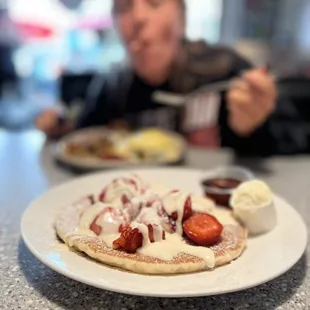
{"x": 131, "y": 226}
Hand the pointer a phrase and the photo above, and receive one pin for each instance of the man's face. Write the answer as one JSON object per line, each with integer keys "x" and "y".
{"x": 151, "y": 31}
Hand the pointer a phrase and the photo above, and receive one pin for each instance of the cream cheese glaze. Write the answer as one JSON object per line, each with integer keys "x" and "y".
{"x": 167, "y": 249}
{"x": 174, "y": 202}
{"x": 110, "y": 223}
{"x": 174, "y": 245}
{"x": 157, "y": 232}
{"x": 108, "y": 239}
{"x": 149, "y": 216}
{"x": 91, "y": 213}
{"x": 131, "y": 186}
{"x": 117, "y": 188}
{"x": 202, "y": 204}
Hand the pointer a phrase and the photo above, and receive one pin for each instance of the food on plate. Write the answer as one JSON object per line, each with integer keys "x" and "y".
{"x": 153, "y": 143}
{"x": 101, "y": 146}
{"x": 145, "y": 145}
{"x": 219, "y": 184}
{"x": 131, "y": 226}
{"x": 253, "y": 205}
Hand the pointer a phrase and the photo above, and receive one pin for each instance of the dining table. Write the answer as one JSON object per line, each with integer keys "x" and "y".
{"x": 28, "y": 169}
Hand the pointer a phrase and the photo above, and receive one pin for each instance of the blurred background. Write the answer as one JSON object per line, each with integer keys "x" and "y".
{"x": 50, "y": 49}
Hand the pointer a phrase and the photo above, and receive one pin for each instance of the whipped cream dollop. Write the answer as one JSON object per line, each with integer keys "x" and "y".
{"x": 251, "y": 194}
{"x": 253, "y": 205}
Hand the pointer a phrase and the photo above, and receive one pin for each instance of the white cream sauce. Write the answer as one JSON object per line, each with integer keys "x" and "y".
{"x": 110, "y": 223}
{"x": 120, "y": 186}
{"x": 143, "y": 230}
{"x": 201, "y": 204}
{"x": 149, "y": 216}
{"x": 91, "y": 213}
{"x": 108, "y": 239}
{"x": 173, "y": 245}
{"x": 174, "y": 202}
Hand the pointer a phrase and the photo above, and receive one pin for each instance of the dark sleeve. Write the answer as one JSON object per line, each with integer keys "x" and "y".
{"x": 96, "y": 109}
{"x": 290, "y": 129}
{"x": 284, "y": 133}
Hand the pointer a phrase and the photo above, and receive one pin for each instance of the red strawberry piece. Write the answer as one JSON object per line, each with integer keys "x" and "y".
{"x": 94, "y": 227}
{"x": 151, "y": 233}
{"x": 164, "y": 235}
{"x": 125, "y": 199}
{"x": 203, "y": 229}
{"x": 130, "y": 240}
{"x": 188, "y": 211}
{"x": 102, "y": 195}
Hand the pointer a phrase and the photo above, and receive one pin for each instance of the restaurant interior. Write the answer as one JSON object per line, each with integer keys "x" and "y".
{"x": 154, "y": 154}
{"x": 78, "y": 41}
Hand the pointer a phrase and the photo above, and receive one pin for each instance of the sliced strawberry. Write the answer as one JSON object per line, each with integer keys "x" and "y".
{"x": 134, "y": 241}
{"x": 121, "y": 241}
{"x": 174, "y": 216}
{"x": 94, "y": 227}
{"x": 151, "y": 233}
{"x": 112, "y": 216}
{"x": 121, "y": 228}
{"x": 203, "y": 229}
{"x": 130, "y": 240}
{"x": 188, "y": 211}
{"x": 163, "y": 235}
{"x": 125, "y": 199}
{"x": 102, "y": 195}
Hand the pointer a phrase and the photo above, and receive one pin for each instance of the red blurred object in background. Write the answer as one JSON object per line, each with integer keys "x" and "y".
{"x": 30, "y": 31}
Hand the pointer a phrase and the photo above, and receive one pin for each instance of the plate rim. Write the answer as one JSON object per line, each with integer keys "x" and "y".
{"x": 76, "y": 277}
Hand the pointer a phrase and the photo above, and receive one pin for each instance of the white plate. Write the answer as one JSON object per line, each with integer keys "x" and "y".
{"x": 266, "y": 257}
{"x": 92, "y": 163}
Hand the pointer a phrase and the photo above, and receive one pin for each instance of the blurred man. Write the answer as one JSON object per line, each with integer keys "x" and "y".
{"x": 160, "y": 58}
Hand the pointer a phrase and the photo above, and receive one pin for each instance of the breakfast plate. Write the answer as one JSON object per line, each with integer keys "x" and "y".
{"x": 101, "y": 147}
{"x": 266, "y": 257}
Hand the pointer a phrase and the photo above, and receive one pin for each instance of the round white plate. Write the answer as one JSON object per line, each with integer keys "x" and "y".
{"x": 93, "y": 163}
{"x": 266, "y": 257}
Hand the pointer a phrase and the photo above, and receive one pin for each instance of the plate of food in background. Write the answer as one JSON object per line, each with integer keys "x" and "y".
{"x": 101, "y": 147}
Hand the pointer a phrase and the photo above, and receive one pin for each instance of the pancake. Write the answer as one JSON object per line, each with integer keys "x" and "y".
{"x": 230, "y": 247}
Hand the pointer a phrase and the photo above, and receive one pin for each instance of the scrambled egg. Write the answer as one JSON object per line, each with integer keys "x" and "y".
{"x": 151, "y": 143}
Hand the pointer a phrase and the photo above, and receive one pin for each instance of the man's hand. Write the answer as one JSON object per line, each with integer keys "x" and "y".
{"x": 48, "y": 122}
{"x": 251, "y": 100}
